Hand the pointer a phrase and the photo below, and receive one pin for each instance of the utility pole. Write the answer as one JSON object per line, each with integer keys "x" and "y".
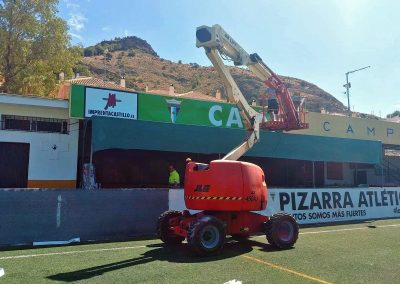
{"x": 348, "y": 86}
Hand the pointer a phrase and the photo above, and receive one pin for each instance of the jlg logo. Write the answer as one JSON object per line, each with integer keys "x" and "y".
{"x": 202, "y": 188}
{"x": 251, "y": 198}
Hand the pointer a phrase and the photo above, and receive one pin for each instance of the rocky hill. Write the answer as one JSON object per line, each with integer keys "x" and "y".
{"x": 135, "y": 59}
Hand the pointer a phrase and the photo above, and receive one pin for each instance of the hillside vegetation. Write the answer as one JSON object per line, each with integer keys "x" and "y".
{"x": 135, "y": 59}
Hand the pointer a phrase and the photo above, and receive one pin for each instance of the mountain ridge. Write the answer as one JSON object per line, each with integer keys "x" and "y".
{"x": 137, "y": 61}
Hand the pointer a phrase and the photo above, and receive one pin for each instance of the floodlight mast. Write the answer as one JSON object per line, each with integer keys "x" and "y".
{"x": 348, "y": 86}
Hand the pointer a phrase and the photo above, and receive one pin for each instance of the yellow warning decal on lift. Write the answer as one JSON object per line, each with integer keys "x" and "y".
{"x": 211, "y": 198}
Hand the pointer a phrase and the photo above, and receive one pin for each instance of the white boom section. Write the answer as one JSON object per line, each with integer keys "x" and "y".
{"x": 217, "y": 43}
{"x": 217, "y": 37}
{"x": 252, "y": 118}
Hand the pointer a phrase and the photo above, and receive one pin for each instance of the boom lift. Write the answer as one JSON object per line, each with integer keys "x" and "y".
{"x": 228, "y": 190}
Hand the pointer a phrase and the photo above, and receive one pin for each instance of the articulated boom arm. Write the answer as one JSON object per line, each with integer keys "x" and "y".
{"x": 218, "y": 43}
{"x": 290, "y": 117}
{"x": 215, "y": 49}
{"x": 251, "y": 117}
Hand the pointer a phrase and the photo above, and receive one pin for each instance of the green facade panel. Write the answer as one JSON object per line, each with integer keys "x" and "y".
{"x": 191, "y": 112}
{"x": 77, "y": 101}
{"x": 167, "y": 109}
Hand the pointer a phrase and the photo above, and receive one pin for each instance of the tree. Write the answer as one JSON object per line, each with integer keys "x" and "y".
{"x": 108, "y": 56}
{"x": 89, "y": 51}
{"x": 395, "y": 113}
{"x": 99, "y": 50}
{"x": 81, "y": 69}
{"x": 34, "y": 46}
{"x": 131, "y": 53}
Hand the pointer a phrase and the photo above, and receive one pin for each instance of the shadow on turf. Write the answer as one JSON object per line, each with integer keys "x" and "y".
{"x": 176, "y": 254}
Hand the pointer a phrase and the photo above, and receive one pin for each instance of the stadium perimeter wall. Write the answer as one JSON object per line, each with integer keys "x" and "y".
{"x": 41, "y": 215}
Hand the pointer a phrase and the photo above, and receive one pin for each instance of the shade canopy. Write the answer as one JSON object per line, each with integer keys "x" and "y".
{"x": 112, "y": 133}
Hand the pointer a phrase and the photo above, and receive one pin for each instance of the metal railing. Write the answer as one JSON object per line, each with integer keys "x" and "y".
{"x": 34, "y": 124}
{"x": 389, "y": 170}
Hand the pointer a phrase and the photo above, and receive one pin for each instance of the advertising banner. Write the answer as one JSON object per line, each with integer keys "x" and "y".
{"x": 187, "y": 111}
{"x": 351, "y": 128}
{"x": 88, "y": 101}
{"x": 110, "y": 103}
{"x": 322, "y": 205}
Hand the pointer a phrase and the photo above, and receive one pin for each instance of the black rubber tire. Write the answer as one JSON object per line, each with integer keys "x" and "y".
{"x": 282, "y": 230}
{"x": 206, "y": 236}
{"x": 163, "y": 230}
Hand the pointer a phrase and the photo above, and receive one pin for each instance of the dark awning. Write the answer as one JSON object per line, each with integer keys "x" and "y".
{"x": 108, "y": 133}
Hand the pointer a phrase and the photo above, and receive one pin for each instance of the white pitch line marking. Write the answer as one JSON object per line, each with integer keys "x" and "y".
{"x": 350, "y": 229}
{"x": 341, "y": 230}
{"x": 136, "y": 247}
{"x": 68, "y": 252}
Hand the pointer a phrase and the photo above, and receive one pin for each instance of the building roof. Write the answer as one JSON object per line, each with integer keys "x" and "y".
{"x": 394, "y": 119}
{"x": 30, "y": 100}
{"x": 189, "y": 95}
{"x": 65, "y": 88}
{"x": 96, "y": 82}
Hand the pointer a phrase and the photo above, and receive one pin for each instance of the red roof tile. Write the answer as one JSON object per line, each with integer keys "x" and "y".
{"x": 189, "y": 95}
{"x": 96, "y": 82}
{"x": 63, "y": 92}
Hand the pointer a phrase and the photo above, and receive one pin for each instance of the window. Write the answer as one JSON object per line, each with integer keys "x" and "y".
{"x": 20, "y": 123}
{"x": 334, "y": 171}
{"x": 34, "y": 124}
{"x": 48, "y": 126}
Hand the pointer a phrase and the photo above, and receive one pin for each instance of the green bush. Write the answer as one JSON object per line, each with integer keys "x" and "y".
{"x": 109, "y": 55}
{"x": 90, "y": 51}
{"x": 131, "y": 53}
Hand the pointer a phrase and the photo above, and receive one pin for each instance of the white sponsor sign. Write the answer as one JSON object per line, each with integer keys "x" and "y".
{"x": 323, "y": 205}
{"x": 111, "y": 103}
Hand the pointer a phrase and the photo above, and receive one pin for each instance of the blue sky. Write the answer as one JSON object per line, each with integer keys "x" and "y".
{"x": 315, "y": 40}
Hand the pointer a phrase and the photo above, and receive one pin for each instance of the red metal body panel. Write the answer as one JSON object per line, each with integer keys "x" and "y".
{"x": 236, "y": 223}
{"x": 290, "y": 118}
{"x": 244, "y": 223}
{"x": 225, "y": 186}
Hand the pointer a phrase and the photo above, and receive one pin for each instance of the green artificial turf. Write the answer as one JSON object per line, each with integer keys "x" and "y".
{"x": 368, "y": 252}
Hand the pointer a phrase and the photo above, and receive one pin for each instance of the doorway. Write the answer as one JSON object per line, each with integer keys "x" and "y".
{"x": 14, "y": 163}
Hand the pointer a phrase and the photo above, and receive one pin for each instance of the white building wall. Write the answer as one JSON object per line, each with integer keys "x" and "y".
{"x": 36, "y": 111}
{"x": 52, "y": 156}
{"x": 44, "y": 162}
